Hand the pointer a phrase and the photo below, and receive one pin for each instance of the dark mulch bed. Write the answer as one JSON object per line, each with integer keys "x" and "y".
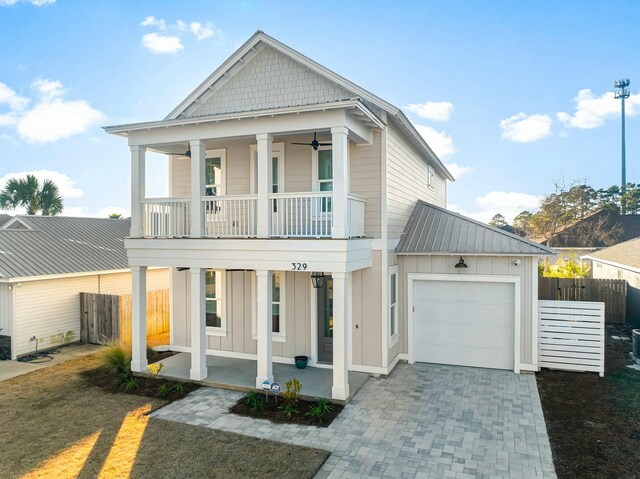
{"x": 148, "y": 387}
{"x": 270, "y": 412}
{"x": 594, "y": 422}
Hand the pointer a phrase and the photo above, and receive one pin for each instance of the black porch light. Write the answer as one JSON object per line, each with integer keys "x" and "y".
{"x": 188, "y": 152}
{"x": 317, "y": 279}
{"x": 461, "y": 264}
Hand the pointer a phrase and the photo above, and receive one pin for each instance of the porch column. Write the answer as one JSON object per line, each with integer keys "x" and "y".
{"x": 137, "y": 190}
{"x": 265, "y": 178}
{"x": 264, "y": 326}
{"x": 341, "y": 298}
{"x": 139, "y": 319}
{"x": 340, "y": 155}
{"x": 198, "y": 370}
{"x": 197, "y": 187}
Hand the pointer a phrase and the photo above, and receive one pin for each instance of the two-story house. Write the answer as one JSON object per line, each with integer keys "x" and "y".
{"x": 290, "y": 190}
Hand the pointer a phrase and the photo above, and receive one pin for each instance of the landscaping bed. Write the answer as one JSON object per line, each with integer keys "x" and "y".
{"x": 275, "y": 413}
{"x": 594, "y": 422}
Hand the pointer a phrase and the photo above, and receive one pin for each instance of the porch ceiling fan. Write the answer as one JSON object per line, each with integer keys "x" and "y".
{"x": 315, "y": 143}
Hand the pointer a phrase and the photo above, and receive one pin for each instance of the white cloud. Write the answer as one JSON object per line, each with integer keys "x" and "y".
{"x": 52, "y": 118}
{"x": 202, "y": 32}
{"x": 508, "y": 204}
{"x": 523, "y": 128}
{"x": 432, "y": 110}
{"x": 65, "y": 184}
{"x": 152, "y": 21}
{"x": 37, "y": 3}
{"x": 457, "y": 170}
{"x": 158, "y": 43}
{"x": 439, "y": 141}
{"x": 592, "y": 111}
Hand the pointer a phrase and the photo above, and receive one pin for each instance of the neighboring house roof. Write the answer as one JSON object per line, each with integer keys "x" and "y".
{"x": 296, "y": 80}
{"x": 592, "y": 231}
{"x": 51, "y": 245}
{"x": 513, "y": 230}
{"x": 435, "y": 230}
{"x": 625, "y": 255}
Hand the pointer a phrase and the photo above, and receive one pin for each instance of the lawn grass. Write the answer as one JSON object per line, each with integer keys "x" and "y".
{"x": 54, "y": 424}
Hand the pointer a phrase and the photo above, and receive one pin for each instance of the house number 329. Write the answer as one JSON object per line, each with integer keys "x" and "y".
{"x": 299, "y": 266}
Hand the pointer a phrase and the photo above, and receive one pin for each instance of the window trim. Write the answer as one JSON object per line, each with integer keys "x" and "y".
{"x": 431, "y": 177}
{"x": 222, "y": 154}
{"x": 281, "y": 336}
{"x": 221, "y": 279}
{"x": 393, "y": 337}
{"x": 277, "y": 149}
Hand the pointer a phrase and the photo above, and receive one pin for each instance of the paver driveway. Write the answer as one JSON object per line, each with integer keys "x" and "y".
{"x": 424, "y": 420}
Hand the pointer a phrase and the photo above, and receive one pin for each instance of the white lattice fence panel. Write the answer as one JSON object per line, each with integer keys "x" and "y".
{"x": 571, "y": 335}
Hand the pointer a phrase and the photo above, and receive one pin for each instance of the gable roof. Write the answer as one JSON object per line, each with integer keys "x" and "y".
{"x": 239, "y": 72}
{"x": 623, "y": 254}
{"x": 435, "y": 230}
{"x": 52, "y": 245}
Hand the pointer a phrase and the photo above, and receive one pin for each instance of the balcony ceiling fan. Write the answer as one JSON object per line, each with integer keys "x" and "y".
{"x": 315, "y": 143}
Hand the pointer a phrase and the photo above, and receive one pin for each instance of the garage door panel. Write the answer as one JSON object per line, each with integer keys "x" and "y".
{"x": 434, "y": 290}
{"x": 464, "y": 323}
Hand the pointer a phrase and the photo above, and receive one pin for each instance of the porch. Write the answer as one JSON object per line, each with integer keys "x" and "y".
{"x": 240, "y": 375}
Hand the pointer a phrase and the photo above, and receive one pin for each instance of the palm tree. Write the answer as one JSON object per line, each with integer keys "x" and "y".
{"x": 28, "y": 192}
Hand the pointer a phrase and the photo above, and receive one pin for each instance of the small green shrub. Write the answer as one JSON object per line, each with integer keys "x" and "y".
{"x": 316, "y": 413}
{"x": 179, "y": 388}
{"x": 292, "y": 391}
{"x": 131, "y": 384}
{"x": 121, "y": 380}
{"x": 254, "y": 401}
{"x": 164, "y": 390}
{"x": 117, "y": 359}
{"x": 324, "y": 405}
{"x": 289, "y": 410}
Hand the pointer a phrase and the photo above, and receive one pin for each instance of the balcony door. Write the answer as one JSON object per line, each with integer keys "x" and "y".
{"x": 277, "y": 178}
{"x": 214, "y": 183}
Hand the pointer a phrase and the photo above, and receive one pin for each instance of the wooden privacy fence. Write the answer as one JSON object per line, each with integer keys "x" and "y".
{"x": 611, "y": 292}
{"x": 106, "y": 317}
{"x": 571, "y": 335}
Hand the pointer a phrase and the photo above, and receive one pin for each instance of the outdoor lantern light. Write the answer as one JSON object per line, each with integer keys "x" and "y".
{"x": 188, "y": 152}
{"x": 317, "y": 279}
{"x": 461, "y": 263}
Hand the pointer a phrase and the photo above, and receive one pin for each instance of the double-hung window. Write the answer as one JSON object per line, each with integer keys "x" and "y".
{"x": 431, "y": 178}
{"x": 393, "y": 305}
{"x": 325, "y": 176}
{"x": 214, "y": 302}
{"x": 277, "y": 308}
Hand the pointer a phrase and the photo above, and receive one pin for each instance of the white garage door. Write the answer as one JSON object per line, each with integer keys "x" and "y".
{"x": 464, "y": 323}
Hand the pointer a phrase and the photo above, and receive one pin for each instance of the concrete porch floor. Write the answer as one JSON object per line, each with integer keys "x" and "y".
{"x": 240, "y": 375}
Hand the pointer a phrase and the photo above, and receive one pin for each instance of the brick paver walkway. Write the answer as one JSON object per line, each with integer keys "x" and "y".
{"x": 424, "y": 421}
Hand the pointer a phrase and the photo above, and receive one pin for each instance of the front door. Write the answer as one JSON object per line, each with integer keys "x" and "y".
{"x": 325, "y": 321}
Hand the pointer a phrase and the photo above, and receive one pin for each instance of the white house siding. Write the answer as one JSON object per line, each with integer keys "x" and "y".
{"x": 50, "y": 308}
{"x": 364, "y": 180}
{"x": 479, "y": 265}
{"x": 606, "y": 271}
{"x": 407, "y": 177}
{"x": 270, "y": 80}
{"x": 366, "y": 319}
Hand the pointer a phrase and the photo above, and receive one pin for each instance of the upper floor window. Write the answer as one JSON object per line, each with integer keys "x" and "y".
{"x": 323, "y": 175}
{"x": 431, "y": 178}
{"x": 214, "y": 171}
{"x": 214, "y": 305}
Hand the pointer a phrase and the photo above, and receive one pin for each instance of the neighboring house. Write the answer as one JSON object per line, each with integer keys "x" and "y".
{"x": 621, "y": 261}
{"x": 45, "y": 262}
{"x": 257, "y": 218}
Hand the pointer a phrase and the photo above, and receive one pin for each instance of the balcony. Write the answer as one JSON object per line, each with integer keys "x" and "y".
{"x": 293, "y": 215}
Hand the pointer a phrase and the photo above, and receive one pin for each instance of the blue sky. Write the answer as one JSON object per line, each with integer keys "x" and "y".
{"x": 513, "y": 95}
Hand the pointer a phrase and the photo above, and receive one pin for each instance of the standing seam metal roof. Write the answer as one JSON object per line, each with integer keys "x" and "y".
{"x": 62, "y": 245}
{"x": 435, "y": 230}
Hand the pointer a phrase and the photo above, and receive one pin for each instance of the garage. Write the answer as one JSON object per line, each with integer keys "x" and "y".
{"x": 464, "y": 323}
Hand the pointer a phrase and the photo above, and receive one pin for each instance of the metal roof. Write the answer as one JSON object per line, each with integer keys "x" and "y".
{"x": 52, "y": 245}
{"x": 435, "y": 230}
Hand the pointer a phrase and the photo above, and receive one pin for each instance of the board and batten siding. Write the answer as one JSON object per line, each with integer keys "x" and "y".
{"x": 407, "y": 181}
{"x": 364, "y": 180}
{"x": 478, "y": 265}
{"x": 366, "y": 319}
{"x": 50, "y": 308}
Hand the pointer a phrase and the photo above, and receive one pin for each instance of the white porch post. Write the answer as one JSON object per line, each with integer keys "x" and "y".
{"x": 137, "y": 190}
{"x": 198, "y": 370}
{"x": 264, "y": 326}
{"x": 341, "y": 297}
{"x": 139, "y": 319}
{"x": 265, "y": 178}
{"x": 340, "y": 155}
{"x": 197, "y": 187}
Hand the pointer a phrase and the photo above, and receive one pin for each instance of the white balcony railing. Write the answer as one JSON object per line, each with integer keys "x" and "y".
{"x": 301, "y": 214}
{"x": 355, "y": 215}
{"x": 166, "y": 217}
{"x": 230, "y": 216}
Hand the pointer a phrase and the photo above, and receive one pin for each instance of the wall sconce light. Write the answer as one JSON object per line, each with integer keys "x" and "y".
{"x": 317, "y": 279}
{"x": 461, "y": 264}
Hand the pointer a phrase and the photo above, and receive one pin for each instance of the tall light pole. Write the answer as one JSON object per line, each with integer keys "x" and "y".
{"x": 622, "y": 92}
